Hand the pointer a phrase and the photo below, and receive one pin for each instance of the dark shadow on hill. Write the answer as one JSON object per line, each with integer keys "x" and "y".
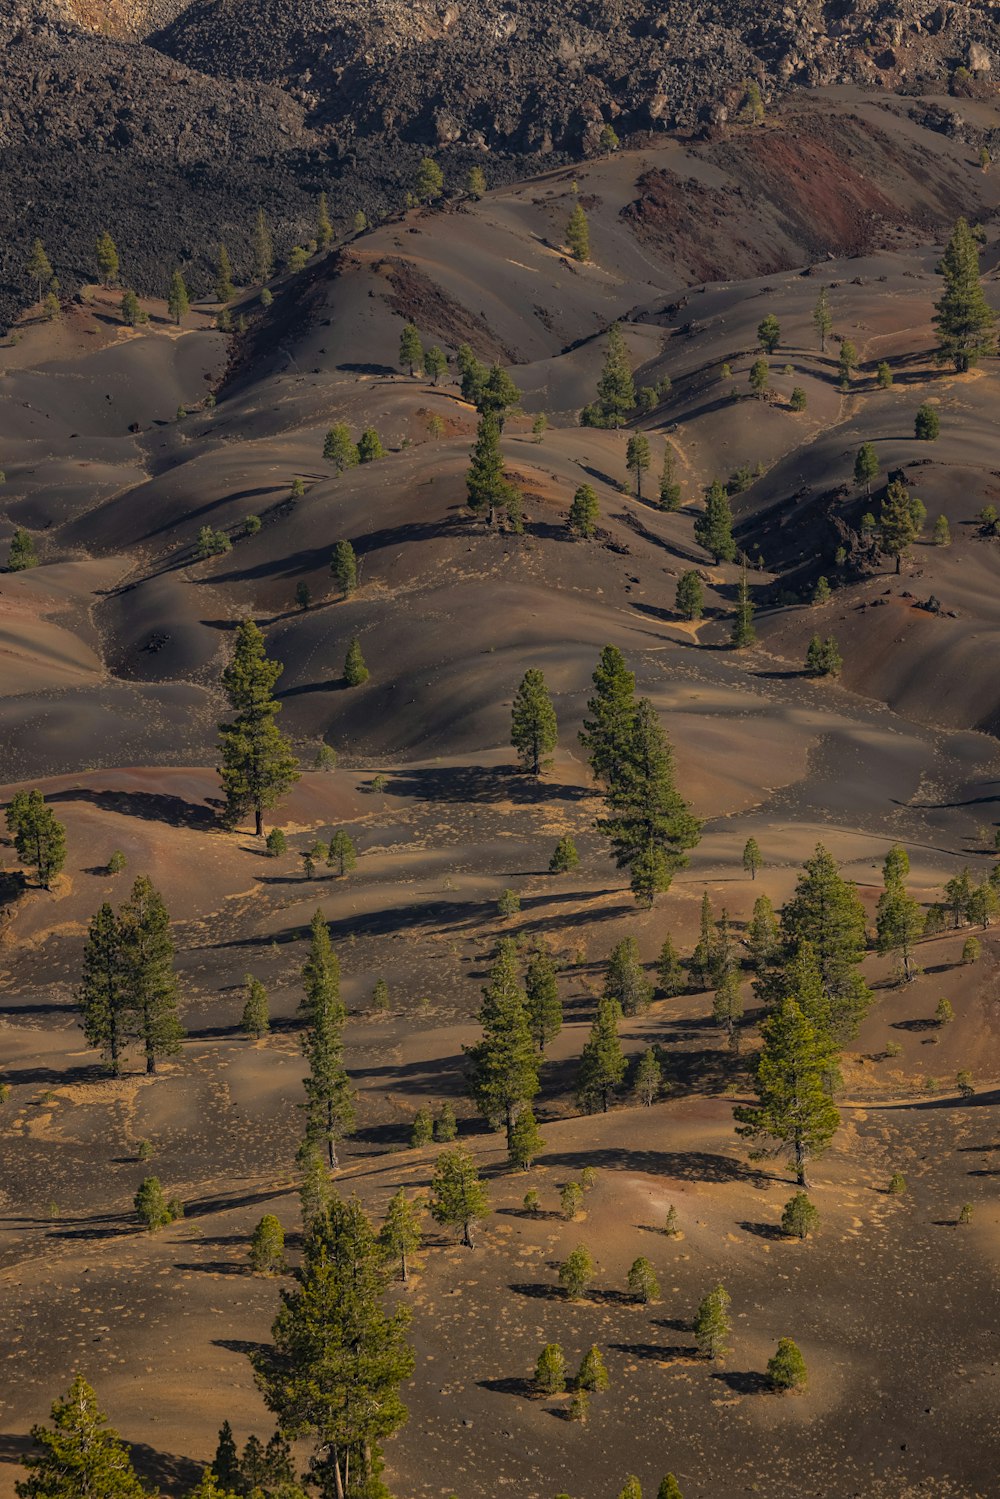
{"x": 240, "y": 1345}
{"x": 212, "y": 1267}
{"x": 743, "y": 1381}
{"x": 684, "y": 1165}
{"x": 27, "y": 1076}
{"x": 522, "y": 1387}
{"x": 149, "y": 805}
{"x": 770, "y": 1231}
{"x": 368, "y": 369}
{"x": 480, "y": 783}
{"x": 537, "y": 1291}
{"x": 977, "y": 1100}
{"x": 203, "y": 1207}
{"x": 13, "y": 1448}
{"x": 168, "y": 1472}
{"x": 659, "y": 1353}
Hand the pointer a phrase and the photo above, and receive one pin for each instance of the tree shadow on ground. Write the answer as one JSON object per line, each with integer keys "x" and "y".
{"x": 770, "y": 1231}
{"x": 524, "y": 1388}
{"x": 151, "y": 806}
{"x": 743, "y": 1381}
{"x": 212, "y": 1267}
{"x": 537, "y": 1291}
{"x": 660, "y": 1353}
{"x": 480, "y": 784}
{"x": 684, "y": 1165}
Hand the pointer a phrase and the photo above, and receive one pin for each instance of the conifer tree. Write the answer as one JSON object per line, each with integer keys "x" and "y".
{"x": 584, "y": 512}
{"x": 315, "y": 1189}
{"x": 848, "y": 362}
{"x": 79, "y": 1456}
{"x": 669, "y": 970}
{"x": 533, "y": 729}
{"x": 626, "y": 979}
{"x": 727, "y": 1007}
{"x": 178, "y": 301}
{"x": 40, "y": 839}
{"x": 324, "y": 229}
{"x": 899, "y": 922}
{"x": 926, "y": 424}
{"x": 608, "y": 731}
{"x": 258, "y": 766}
{"x": 593, "y": 1372}
{"x": 329, "y": 1102}
{"x": 769, "y": 333}
{"x": 370, "y": 447}
{"x": 898, "y": 524}
{"x": 151, "y": 1205}
{"x": 786, "y": 1368}
{"x": 342, "y": 855}
{"x": 602, "y": 1063}
{"x": 550, "y": 1371}
{"x": 344, "y": 568}
{"x": 430, "y": 181}
{"x": 339, "y": 449}
{"x": 615, "y": 389}
{"x": 526, "y": 1142}
{"x": 963, "y": 317}
{"x": 648, "y": 1079}
{"x": 338, "y": 1358}
{"x": 637, "y": 459}
{"x": 458, "y": 1198}
{"x": 475, "y": 183}
{"x": 669, "y": 1488}
{"x": 472, "y": 374}
{"x": 670, "y": 490}
{"x": 752, "y": 860}
{"x": 107, "y": 259}
{"x": 256, "y": 1020}
{"x": 763, "y": 937}
{"x": 642, "y": 1282}
{"x": 355, "y": 669}
{"x": 22, "y": 552}
{"x": 267, "y": 1248}
{"x": 793, "y": 1108}
{"x": 132, "y": 313}
{"x": 713, "y": 528}
{"x": 400, "y": 1236}
{"x": 435, "y": 364}
{"x": 102, "y": 998}
{"x": 743, "y": 634}
{"x": 631, "y": 1489}
{"x": 225, "y": 290}
{"x": 488, "y": 491}
{"x": 825, "y": 911}
{"x": 263, "y": 249}
{"x": 712, "y": 1325}
{"x": 39, "y": 268}
{"x": 866, "y": 466}
{"x": 542, "y": 997}
{"x": 225, "y": 1467}
{"x": 760, "y": 378}
{"x": 411, "y": 350}
{"x": 504, "y": 1064}
{"x": 703, "y": 958}
{"x": 942, "y": 532}
{"x": 799, "y": 1217}
{"x": 823, "y": 318}
{"x": 689, "y": 600}
{"x": 578, "y": 233}
{"x": 648, "y": 822}
{"x": 147, "y": 960}
{"x": 564, "y": 856}
{"x": 576, "y": 1272}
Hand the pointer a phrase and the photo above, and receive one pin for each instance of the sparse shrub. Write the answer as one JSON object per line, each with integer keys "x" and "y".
{"x": 593, "y": 1372}
{"x": 256, "y": 1019}
{"x": 325, "y": 758}
{"x": 579, "y": 1406}
{"x": 570, "y": 1200}
{"x": 893, "y": 1049}
{"x": 152, "y": 1207}
{"x": 267, "y": 1247}
{"x": 588, "y": 1178}
{"x": 942, "y": 532}
{"x": 145, "y": 1151}
{"x": 380, "y": 996}
{"x": 786, "y": 1368}
{"x": 4, "y": 1093}
{"x": 576, "y": 1272}
{"x": 422, "y": 1132}
{"x": 564, "y": 856}
{"x": 821, "y": 591}
{"x": 670, "y": 1226}
{"x": 883, "y": 376}
{"x": 797, "y": 399}
{"x": 800, "y": 1217}
{"x": 116, "y": 863}
{"x": 212, "y": 543}
{"x": 971, "y": 950}
{"x": 927, "y": 424}
{"x": 445, "y": 1125}
{"x": 963, "y": 1082}
{"x": 944, "y": 1014}
{"x": 532, "y": 1202}
{"x": 642, "y": 1282}
{"x": 508, "y": 903}
{"x": 276, "y": 843}
{"x": 550, "y": 1371}
{"x": 965, "y": 1213}
{"x": 897, "y": 1184}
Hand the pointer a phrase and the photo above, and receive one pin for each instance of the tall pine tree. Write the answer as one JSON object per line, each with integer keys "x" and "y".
{"x": 793, "y": 1109}
{"x": 533, "y": 728}
{"x": 258, "y": 766}
{"x": 329, "y": 1102}
{"x": 504, "y": 1064}
{"x": 607, "y": 732}
{"x": 148, "y": 978}
{"x": 963, "y": 317}
{"x": 102, "y": 998}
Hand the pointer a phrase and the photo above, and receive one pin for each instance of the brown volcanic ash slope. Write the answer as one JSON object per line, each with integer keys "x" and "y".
{"x": 111, "y": 655}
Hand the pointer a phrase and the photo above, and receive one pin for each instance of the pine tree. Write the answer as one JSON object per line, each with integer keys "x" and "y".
{"x": 752, "y": 860}
{"x": 760, "y": 378}
{"x": 602, "y": 1063}
{"x": 339, "y": 449}
{"x": 648, "y": 1079}
{"x": 576, "y": 1272}
{"x": 631, "y": 1489}
{"x": 542, "y": 997}
{"x": 866, "y": 466}
{"x": 769, "y": 333}
{"x": 148, "y": 978}
{"x": 22, "y": 552}
{"x": 642, "y": 1282}
{"x": 669, "y": 1488}
{"x": 263, "y": 250}
{"x": 823, "y": 318}
{"x": 329, "y": 1102}
{"x": 102, "y": 998}
{"x": 267, "y": 1251}
{"x": 132, "y": 313}
{"x": 533, "y": 729}
{"x": 793, "y": 1108}
{"x": 564, "y": 856}
{"x": 324, "y": 229}
{"x": 648, "y": 823}
{"x": 926, "y": 424}
{"x": 608, "y": 731}
{"x": 578, "y": 234}
{"x": 670, "y": 490}
{"x": 411, "y": 350}
{"x": 355, "y": 669}
{"x": 743, "y": 634}
{"x": 107, "y": 259}
{"x": 225, "y": 1467}
{"x": 703, "y": 958}
{"x": 848, "y": 362}
{"x": 338, "y": 1358}
{"x": 225, "y": 290}
{"x": 964, "y": 318}
{"x": 458, "y": 1198}
{"x": 763, "y": 937}
{"x": 370, "y": 447}
{"x": 584, "y": 512}
{"x": 39, "y": 268}
{"x": 712, "y": 1325}
{"x": 626, "y": 979}
{"x": 472, "y": 374}
{"x": 315, "y": 1189}
{"x": 256, "y": 1020}
{"x": 258, "y": 766}
{"x": 897, "y": 524}
{"x": 40, "y": 839}
{"x": 400, "y": 1235}
{"x": 825, "y": 911}
{"x": 727, "y": 1007}
{"x": 799, "y": 1218}
{"x": 526, "y": 1142}
{"x": 475, "y": 182}
{"x": 942, "y": 532}
{"x": 178, "y": 302}
{"x": 615, "y": 389}
{"x": 430, "y": 181}
{"x": 786, "y": 1368}
{"x": 550, "y": 1371}
{"x": 342, "y": 855}
{"x": 899, "y": 922}
{"x": 669, "y": 970}
{"x": 151, "y": 1205}
{"x": 713, "y": 529}
{"x": 504, "y": 1064}
{"x": 689, "y": 600}
{"x": 80, "y": 1456}
{"x": 488, "y": 491}
{"x": 344, "y": 568}
{"x": 593, "y": 1372}
{"x": 637, "y": 458}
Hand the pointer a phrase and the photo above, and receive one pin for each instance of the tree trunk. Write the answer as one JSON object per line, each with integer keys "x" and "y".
{"x": 638, "y": 484}
{"x": 259, "y": 820}
{"x": 899, "y": 562}
{"x": 800, "y": 1164}
{"x": 467, "y": 1235}
{"x": 403, "y": 1265}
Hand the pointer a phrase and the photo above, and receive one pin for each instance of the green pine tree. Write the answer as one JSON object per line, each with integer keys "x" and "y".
{"x": 615, "y": 389}
{"x": 256, "y": 1020}
{"x": 102, "y": 998}
{"x": 826, "y": 911}
{"x": 262, "y": 247}
{"x": 669, "y": 970}
{"x": 267, "y": 1249}
{"x": 533, "y": 729}
{"x": 712, "y": 1325}
{"x": 370, "y": 447}
{"x": 324, "y": 229}
{"x": 578, "y": 234}
{"x": 430, "y": 181}
{"x": 504, "y": 1064}
{"x": 258, "y": 766}
{"x": 823, "y": 318}
{"x": 107, "y": 259}
{"x": 526, "y": 1142}
{"x": 225, "y": 289}
{"x": 626, "y": 979}
{"x": 793, "y": 1108}
{"x": 400, "y": 1236}
{"x": 39, "y": 268}
{"x": 963, "y": 317}
{"x": 584, "y": 512}
{"x": 602, "y": 1063}
{"x": 79, "y": 1456}
{"x": 763, "y": 937}
{"x": 769, "y": 333}
{"x": 593, "y": 1372}
{"x": 648, "y": 1083}
{"x": 689, "y": 600}
{"x": 608, "y": 731}
{"x": 713, "y": 529}
{"x": 40, "y": 839}
{"x": 743, "y": 633}
{"x": 344, "y": 568}
{"x": 489, "y": 493}
{"x": 411, "y": 350}
{"x": 355, "y": 670}
{"x": 898, "y": 526}
{"x": 22, "y": 552}
{"x": 752, "y": 860}
{"x": 339, "y": 449}
{"x": 178, "y": 301}
{"x": 458, "y": 1197}
{"x": 542, "y": 998}
{"x": 637, "y": 459}
{"x": 550, "y": 1371}
{"x": 148, "y": 977}
{"x": 329, "y": 1102}
{"x": 786, "y": 1368}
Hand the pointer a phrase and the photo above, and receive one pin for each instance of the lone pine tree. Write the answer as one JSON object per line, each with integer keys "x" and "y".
{"x": 411, "y": 350}
{"x": 669, "y": 970}
{"x": 178, "y": 301}
{"x": 39, "y": 268}
{"x": 689, "y": 600}
{"x": 578, "y": 233}
{"x": 400, "y": 1235}
{"x": 793, "y": 1108}
{"x": 713, "y": 529}
{"x": 963, "y": 317}
{"x": 344, "y": 568}
{"x": 102, "y": 998}
{"x": 712, "y": 1325}
{"x": 79, "y": 1456}
{"x": 355, "y": 668}
{"x": 823, "y": 318}
{"x": 615, "y": 388}
{"x": 458, "y": 1198}
{"x": 258, "y": 766}
{"x": 899, "y": 522}
{"x": 637, "y": 458}
{"x": 339, "y": 448}
{"x": 533, "y": 728}
{"x": 503, "y": 1074}
{"x": 107, "y": 259}
{"x": 743, "y": 632}
{"x": 255, "y": 1020}
{"x": 329, "y": 1105}
{"x": 584, "y": 512}
{"x": 40, "y": 839}
{"x": 489, "y": 493}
